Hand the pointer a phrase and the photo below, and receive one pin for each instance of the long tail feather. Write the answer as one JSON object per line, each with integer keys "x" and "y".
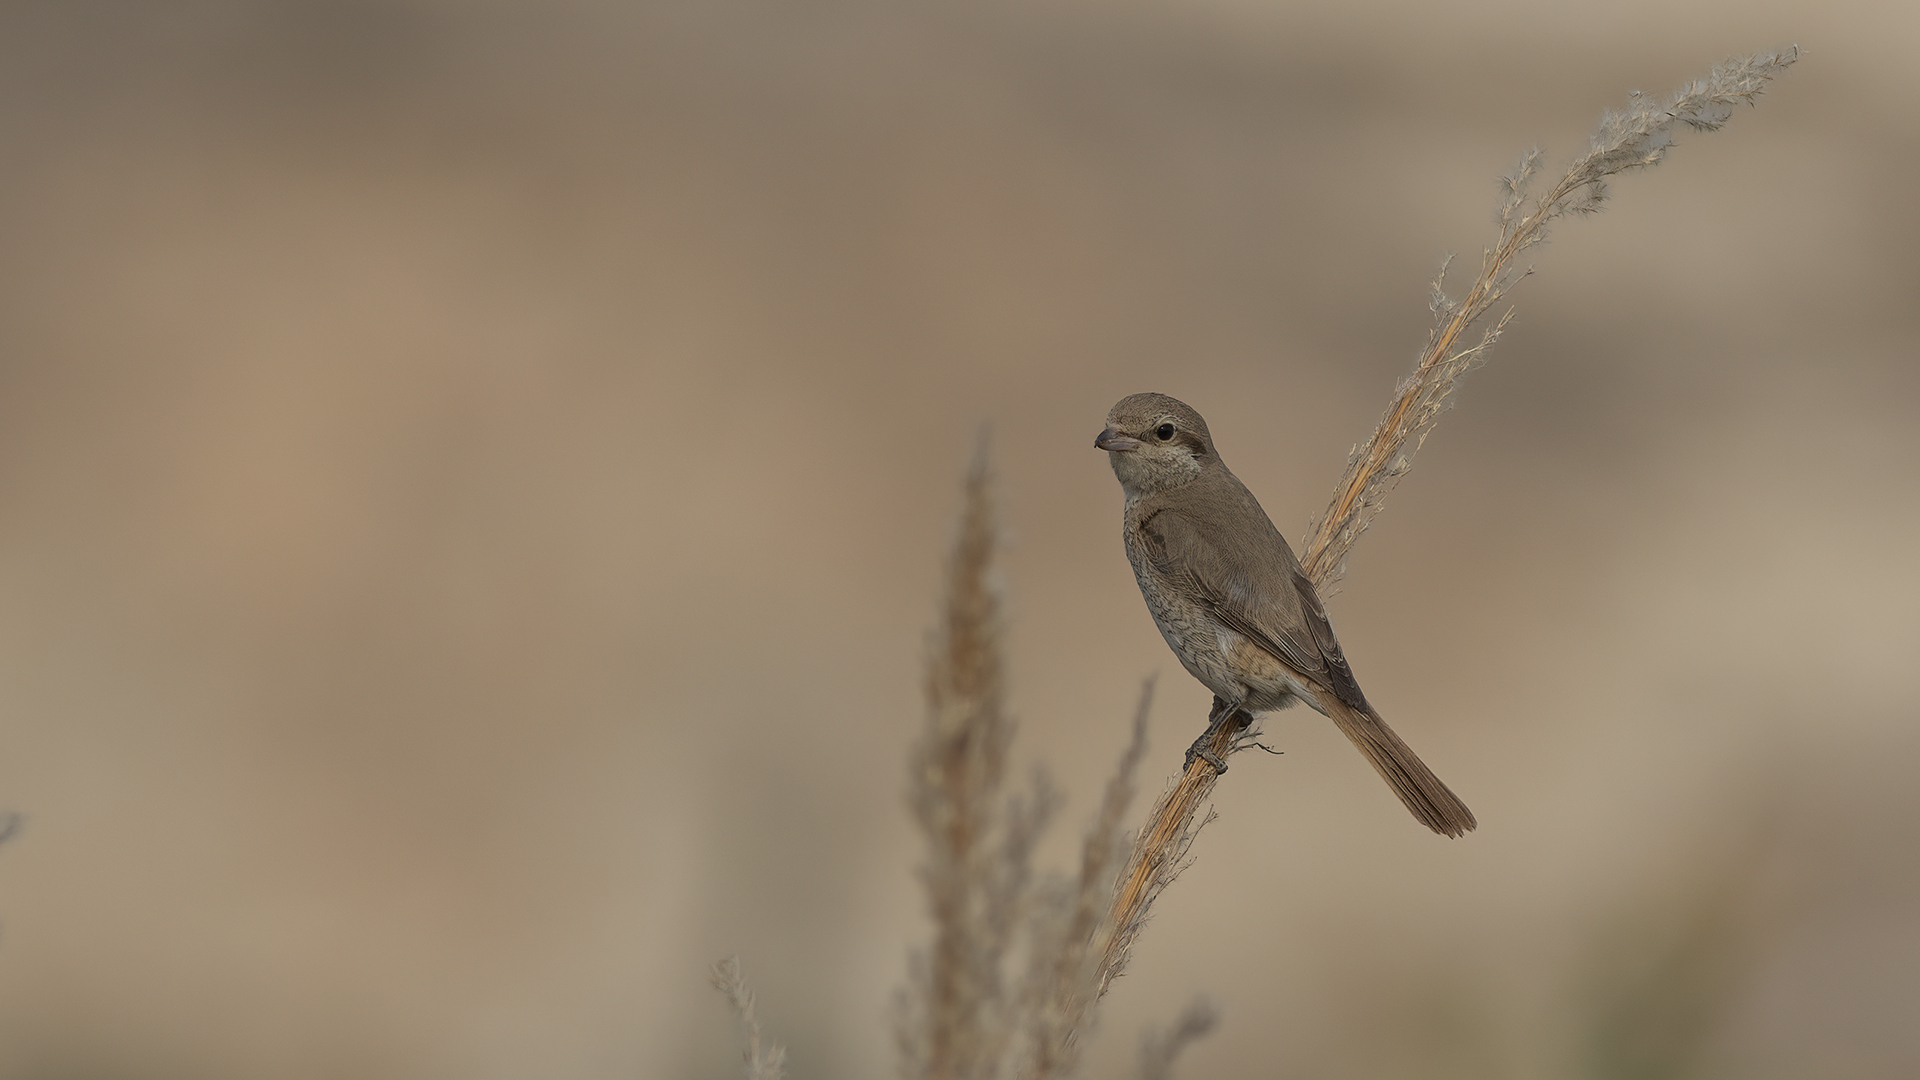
{"x": 1430, "y": 800}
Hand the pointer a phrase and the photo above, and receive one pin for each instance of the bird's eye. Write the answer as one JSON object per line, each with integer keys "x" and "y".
{"x": 1164, "y": 431}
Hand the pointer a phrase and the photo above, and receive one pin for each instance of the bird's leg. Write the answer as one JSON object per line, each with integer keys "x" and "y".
{"x": 1224, "y": 713}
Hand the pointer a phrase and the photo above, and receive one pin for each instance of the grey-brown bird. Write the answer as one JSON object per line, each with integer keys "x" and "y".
{"x": 1230, "y": 598}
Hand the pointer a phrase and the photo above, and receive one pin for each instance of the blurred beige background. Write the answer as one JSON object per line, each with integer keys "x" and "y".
{"x": 473, "y": 479}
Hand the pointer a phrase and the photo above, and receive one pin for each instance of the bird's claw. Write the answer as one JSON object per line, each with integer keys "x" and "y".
{"x": 1206, "y": 753}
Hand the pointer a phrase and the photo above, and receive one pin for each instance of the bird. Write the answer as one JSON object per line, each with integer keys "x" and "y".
{"x": 1231, "y": 600}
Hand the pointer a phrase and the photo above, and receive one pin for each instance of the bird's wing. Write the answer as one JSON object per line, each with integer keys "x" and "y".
{"x": 1253, "y": 585}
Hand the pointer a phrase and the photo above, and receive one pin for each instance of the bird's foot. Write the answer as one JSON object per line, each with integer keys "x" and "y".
{"x": 1205, "y": 753}
{"x": 1225, "y": 714}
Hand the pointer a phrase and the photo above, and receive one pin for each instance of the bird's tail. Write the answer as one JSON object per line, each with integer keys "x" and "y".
{"x": 1437, "y": 807}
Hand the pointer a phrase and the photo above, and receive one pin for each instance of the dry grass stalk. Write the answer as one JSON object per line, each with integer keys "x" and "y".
{"x": 1633, "y": 139}
{"x": 978, "y": 843}
{"x": 1011, "y": 978}
{"x": 1070, "y": 948}
{"x": 766, "y": 1061}
{"x": 1158, "y": 855}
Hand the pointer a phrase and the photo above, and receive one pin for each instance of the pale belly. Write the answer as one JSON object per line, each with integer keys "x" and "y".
{"x": 1224, "y": 661}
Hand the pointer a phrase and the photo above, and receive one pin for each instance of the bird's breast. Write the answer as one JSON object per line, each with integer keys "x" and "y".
{"x": 1227, "y": 662}
{"x": 1187, "y": 624}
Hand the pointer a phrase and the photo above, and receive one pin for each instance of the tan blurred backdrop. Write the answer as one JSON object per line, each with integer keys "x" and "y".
{"x": 473, "y": 479}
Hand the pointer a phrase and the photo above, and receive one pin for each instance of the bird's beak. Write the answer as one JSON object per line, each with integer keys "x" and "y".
{"x": 1109, "y": 439}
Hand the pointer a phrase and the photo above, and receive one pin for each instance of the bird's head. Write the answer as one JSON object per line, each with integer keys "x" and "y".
{"x": 1155, "y": 443}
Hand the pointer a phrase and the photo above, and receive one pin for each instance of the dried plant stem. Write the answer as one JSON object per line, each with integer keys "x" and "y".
{"x": 963, "y": 1016}
{"x": 977, "y": 865}
{"x": 969, "y": 1011}
{"x": 1159, "y": 854}
{"x": 1062, "y": 986}
{"x": 1636, "y": 138}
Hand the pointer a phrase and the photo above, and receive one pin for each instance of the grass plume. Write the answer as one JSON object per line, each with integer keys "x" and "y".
{"x": 1013, "y": 972}
{"x": 765, "y": 1060}
{"x": 954, "y": 1020}
{"x": 1635, "y": 138}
